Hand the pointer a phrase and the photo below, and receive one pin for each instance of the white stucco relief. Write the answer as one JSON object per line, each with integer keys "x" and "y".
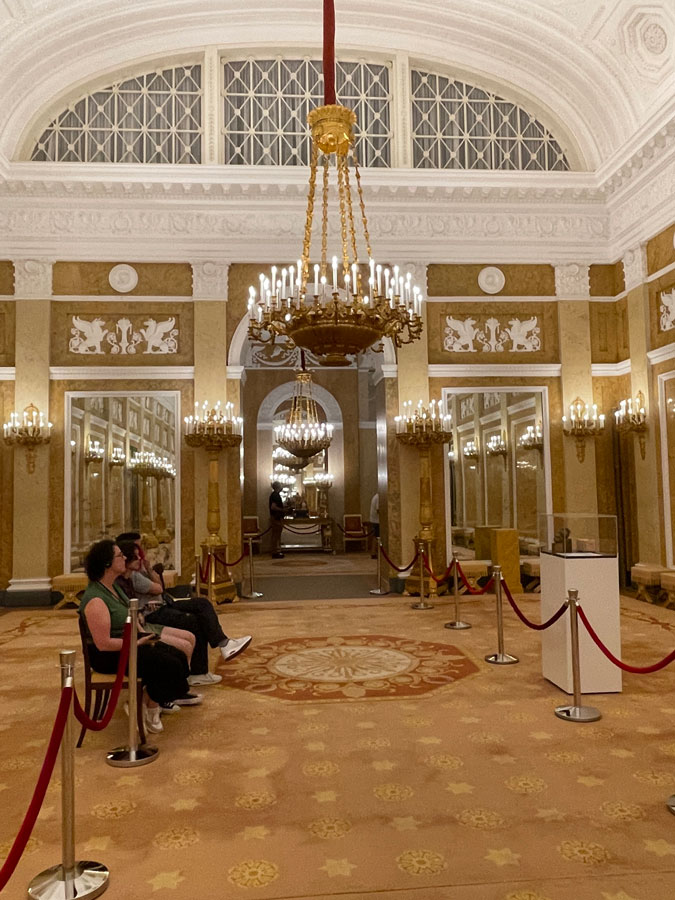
{"x": 461, "y": 335}
{"x": 93, "y": 337}
{"x": 667, "y": 311}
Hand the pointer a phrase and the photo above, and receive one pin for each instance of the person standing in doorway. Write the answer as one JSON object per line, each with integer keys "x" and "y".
{"x": 276, "y": 505}
{"x": 374, "y": 524}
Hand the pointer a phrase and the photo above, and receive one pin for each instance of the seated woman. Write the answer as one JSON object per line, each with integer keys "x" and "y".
{"x": 162, "y": 668}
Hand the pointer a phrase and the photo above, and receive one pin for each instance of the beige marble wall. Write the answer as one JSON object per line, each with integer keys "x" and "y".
{"x": 660, "y": 250}
{"x": 91, "y": 279}
{"x": 666, "y": 503}
{"x": 461, "y": 280}
{"x": 606, "y": 280}
{"x": 6, "y": 488}
{"x": 7, "y": 331}
{"x": 6, "y": 277}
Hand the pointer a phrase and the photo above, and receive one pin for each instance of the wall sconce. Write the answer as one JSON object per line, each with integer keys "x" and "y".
{"x": 118, "y": 457}
{"x": 94, "y": 452}
{"x": 632, "y": 416}
{"x": 497, "y": 446}
{"x": 29, "y": 430}
{"x": 533, "y": 439}
{"x": 583, "y": 422}
{"x": 470, "y": 450}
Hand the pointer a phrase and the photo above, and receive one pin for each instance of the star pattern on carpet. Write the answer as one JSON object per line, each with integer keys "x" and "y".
{"x": 660, "y": 847}
{"x": 405, "y": 823}
{"x": 169, "y": 880}
{"x": 254, "y": 833}
{"x": 503, "y": 857}
{"x": 334, "y": 867}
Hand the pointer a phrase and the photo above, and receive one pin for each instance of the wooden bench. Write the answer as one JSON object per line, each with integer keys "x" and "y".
{"x": 531, "y": 569}
{"x": 647, "y": 577}
{"x": 474, "y": 569}
{"x": 71, "y": 586}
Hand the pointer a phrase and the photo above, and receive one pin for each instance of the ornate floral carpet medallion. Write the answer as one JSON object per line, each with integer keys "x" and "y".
{"x": 350, "y": 667}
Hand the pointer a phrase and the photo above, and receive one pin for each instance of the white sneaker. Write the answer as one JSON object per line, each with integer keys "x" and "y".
{"x": 207, "y": 678}
{"x": 152, "y": 720}
{"x": 235, "y": 646}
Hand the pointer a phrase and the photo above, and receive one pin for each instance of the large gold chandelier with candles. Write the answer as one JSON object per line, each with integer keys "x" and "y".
{"x": 303, "y": 435}
{"x": 338, "y": 309}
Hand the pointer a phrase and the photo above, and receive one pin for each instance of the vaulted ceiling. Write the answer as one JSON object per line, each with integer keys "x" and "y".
{"x": 601, "y": 72}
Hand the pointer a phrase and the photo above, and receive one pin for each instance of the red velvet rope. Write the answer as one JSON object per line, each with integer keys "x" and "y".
{"x": 444, "y": 576}
{"x": 636, "y": 670}
{"x": 256, "y": 535}
{"x": 547, "y": 624}
{"x": 204, "y": 570}
{"x": 228, "y": 565}
{"x": 302, "y": 530}
{"x": 399, "y": 568}
{"x": 328, "y": 52}
{"x": 471, "y": 590}
{"x": 355, "y": 534}
{"x": 26, "y": 828}
{"x": 100, "y": 724}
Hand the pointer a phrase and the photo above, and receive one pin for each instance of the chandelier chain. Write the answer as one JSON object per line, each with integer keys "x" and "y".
{"x": 366, "y": 233}
{"x": 341, "y": 164}
{"x": 352, "y": 230}
{"x": 324, "y": 217}
{"x": 307, "y": 242}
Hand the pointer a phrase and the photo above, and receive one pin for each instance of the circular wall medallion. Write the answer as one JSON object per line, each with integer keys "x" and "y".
{"x": 491, "y": 280}
{"x": 123, "y": 278}
{"x": 654, "y": 38}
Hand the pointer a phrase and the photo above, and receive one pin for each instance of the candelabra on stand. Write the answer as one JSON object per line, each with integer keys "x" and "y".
{"x": 631, "y": 416}
{"x": 422, "y": 429}
{"x": 144, "y": 464}
{"x": 30, "y": 430}
{"x": 583, "y": 422}
{"x": 214, "y": 430}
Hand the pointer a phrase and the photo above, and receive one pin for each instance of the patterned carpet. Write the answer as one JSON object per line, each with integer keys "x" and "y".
{"x": 360, "y": 750}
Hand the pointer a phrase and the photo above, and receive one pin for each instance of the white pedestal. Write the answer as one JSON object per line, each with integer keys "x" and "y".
{"x": 597, "y": 580}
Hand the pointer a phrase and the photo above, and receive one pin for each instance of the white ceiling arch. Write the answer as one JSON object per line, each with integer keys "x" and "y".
{"x": 601, "y": 74}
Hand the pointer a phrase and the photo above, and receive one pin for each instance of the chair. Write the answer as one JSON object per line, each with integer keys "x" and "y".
{"x": 100, "y": 687}
{"x": 354, "y": 532}
{"x": 250, "y": 528}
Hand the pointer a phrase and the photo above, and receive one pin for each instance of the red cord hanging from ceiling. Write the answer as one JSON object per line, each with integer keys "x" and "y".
{"x": 328, "y": 52}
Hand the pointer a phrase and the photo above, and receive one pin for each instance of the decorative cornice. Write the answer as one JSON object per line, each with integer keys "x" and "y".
{"x": 495, "y": 370}
{"x": 661, "y": 354}
{"x": 32, "y": 279}
{"x": 389, "y": 370}
{"x": 235, "y": 373}
{"x": 604, "y": 370}
{"x": 635, "y": 267}
{"x": 209, "y": 280}
{"x": 572, "y": 282}
{"x": 120, "y": 373}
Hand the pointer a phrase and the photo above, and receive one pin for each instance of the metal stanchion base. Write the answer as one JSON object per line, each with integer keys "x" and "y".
{"x": 252, "y": 596}
{"x": 421, "y": 604}
{"x": 457, "y": 626}
{"x": 126, "y": 758}
{"x": 89, "y": 879}
{"x": 379, "y": 592}
{"x": 501, "y": 659}
{"x": 578, "y": 713}
{"x": 671, "y": 804}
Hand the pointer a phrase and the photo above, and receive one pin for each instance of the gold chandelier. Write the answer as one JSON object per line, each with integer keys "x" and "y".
{"x": 344, "y": 307}
{"x": 302, "y": 434}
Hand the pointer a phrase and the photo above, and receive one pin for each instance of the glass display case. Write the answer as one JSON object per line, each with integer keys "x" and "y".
{"x": 578, "y": 535}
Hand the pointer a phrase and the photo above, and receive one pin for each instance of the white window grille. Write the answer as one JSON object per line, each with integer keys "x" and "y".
{"x": 459, "y": 126}
{"x": 151, "y": 118}
{"x": 267, "y": 101}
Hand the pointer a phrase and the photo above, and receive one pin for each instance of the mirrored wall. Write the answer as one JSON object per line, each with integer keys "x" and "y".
{"x": 498, "y": 466}
{"x": 121, "y": 470}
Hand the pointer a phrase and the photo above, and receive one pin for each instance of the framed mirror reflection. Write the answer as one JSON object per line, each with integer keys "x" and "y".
{"x": 121, "y": 472}
{"x": 498, "y": 472}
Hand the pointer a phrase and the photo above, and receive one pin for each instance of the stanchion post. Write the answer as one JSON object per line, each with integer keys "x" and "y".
{"x": 132, "y": 755}
{"x": 252, "y": 594}
{"x": 70, "y": 879}
{"x": 421, "y": 603}
{"x": 378, "y": 590}
{"x": 577, "y": 712}
{"x": 500, "y": 658}
{"x": 457, "y": 624}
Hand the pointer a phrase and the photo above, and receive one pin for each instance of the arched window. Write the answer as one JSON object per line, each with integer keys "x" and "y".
{"x": 458, "y": 126}
{"x": 267, "y": 101}
{"x": 150, "y": 118}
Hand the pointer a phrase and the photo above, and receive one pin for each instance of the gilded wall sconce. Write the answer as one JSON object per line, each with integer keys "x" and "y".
{"x": 583, "y": 422}
{"x": 631, "y": 416}
{"x": 29, "y": 430}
